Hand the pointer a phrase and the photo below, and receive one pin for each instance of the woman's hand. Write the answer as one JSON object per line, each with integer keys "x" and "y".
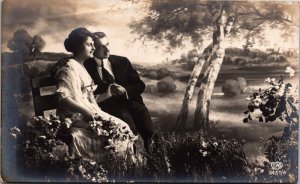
{"x": 73, "y": 106}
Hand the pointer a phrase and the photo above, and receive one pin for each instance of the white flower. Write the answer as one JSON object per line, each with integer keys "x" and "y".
{"x": 92, "y": 162}
{"x": 268, "y": 80}
{"x": 204, "y": 153}
{"x": 257, "y": 101}
{"x": 68, "y": 122}
{"x": 204, "y": 144}
{"x": 81, "y": 169}
{"x": 290, "y": 71}
{"x": 42, "y": 136}
{"x": 15, "y": 130}
{"x": 99, "y": 123}
{"x": 215, "y": 144}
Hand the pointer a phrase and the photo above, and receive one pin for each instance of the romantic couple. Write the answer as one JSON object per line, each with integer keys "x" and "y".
{"x": 94, "y": 82}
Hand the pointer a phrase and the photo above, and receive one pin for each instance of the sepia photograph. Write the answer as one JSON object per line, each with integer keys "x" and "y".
{"x": 149, "y": 91}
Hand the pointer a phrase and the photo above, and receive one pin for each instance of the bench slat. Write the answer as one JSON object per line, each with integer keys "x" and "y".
{"x": 40, "y": 82}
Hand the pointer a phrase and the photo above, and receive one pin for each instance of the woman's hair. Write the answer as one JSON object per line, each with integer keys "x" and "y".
{"x": 75, "y": 40}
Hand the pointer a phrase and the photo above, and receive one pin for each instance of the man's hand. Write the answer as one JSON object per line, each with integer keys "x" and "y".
{"x": 117, "y": 90}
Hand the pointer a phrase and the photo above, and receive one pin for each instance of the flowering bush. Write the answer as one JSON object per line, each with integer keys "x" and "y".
{"x": 280, "y": 101}
{"x": 195, "y": 157}
{"x": 41, "y": 139}
{"x": 45, "y": 149}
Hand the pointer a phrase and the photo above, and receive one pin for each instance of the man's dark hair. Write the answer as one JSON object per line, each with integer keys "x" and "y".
{"x": 99, "y": 35}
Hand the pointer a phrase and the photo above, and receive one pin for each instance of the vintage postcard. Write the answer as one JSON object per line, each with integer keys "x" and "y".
{"x": 149, "y": 91}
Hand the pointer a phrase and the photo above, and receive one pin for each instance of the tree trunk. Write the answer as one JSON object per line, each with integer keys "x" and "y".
{"x": 221, "y": 28}
{"x": 183, "y": 116}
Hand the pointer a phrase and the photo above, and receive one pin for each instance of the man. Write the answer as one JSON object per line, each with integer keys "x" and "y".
{"x": 119, "y": 88}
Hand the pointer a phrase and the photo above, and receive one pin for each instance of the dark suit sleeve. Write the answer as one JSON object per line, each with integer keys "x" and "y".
{"x": 135, "y": 85}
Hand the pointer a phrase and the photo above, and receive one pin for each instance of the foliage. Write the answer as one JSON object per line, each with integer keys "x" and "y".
{"x": 25, "y": 45}
{"x": 37, "y": 44}
{"x": 201, "y": 158}
{"x": 283, "y": 153}
{"x": 277, "y": 102}
{"x": 164, "y": 72}
{"x": 276, "y": 58}
{"x": 89, "y": 170}
{"x": 45, "y": 143}
{"x": 189, "y": 60}
{"x": 166, "y": 85}
{"x": 233, "y": 88}
{"x": 175, "y": 22}
{"x": 158, "y": 74}
{"x": 20, "y": 42}
{"x": 206, "y": 159}
{"x": 41, "y": 137}
{"x": 230, "y": 88}
{"x": 254, "y": 57}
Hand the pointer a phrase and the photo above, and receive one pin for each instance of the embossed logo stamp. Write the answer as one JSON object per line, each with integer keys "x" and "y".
{"x": 277, "y": 169}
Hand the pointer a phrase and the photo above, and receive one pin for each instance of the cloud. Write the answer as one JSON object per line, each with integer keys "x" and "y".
{"x": 55, "y": 18}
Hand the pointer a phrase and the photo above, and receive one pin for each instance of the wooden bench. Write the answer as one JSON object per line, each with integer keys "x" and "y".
{"x": 45, "y": 102}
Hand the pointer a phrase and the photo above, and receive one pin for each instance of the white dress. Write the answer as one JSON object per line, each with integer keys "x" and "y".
{"x": 75, "y": 82}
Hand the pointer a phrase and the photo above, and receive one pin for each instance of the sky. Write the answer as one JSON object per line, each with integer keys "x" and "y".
{"x": 55, "y": 19}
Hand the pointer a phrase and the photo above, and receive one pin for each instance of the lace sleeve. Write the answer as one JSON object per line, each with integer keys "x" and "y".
{"x": 65, "y": 81}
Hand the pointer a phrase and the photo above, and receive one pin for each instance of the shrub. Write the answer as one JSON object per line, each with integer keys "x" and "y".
{"x": 152, "y": 75}
{"x": 230, "y": 88}
{"x": 273, "y": 58}
{"x": 162, "y": 72}
{"x": 240, "y": 61}
{"x": 166, "y": 85}
{"x": 242, "y": 83}
{"x": 233, "y": 88}
{"x": 258, "y": 54}
{"x": 234, "y": 51}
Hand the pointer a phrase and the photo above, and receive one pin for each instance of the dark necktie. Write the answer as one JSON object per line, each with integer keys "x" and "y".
{"x": 107, "y": 78}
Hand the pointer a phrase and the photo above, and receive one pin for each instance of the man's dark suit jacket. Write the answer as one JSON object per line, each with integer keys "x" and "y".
{"x": 125, "y": 76}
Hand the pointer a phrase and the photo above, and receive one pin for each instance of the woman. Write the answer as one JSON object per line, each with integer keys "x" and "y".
{"x": 76, "y": 101}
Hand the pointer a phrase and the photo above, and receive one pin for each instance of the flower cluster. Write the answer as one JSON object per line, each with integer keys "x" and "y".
{"x": 112, "y": 132}
{"x": 14, "y": 132}
{"x": 89, "y": 170}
